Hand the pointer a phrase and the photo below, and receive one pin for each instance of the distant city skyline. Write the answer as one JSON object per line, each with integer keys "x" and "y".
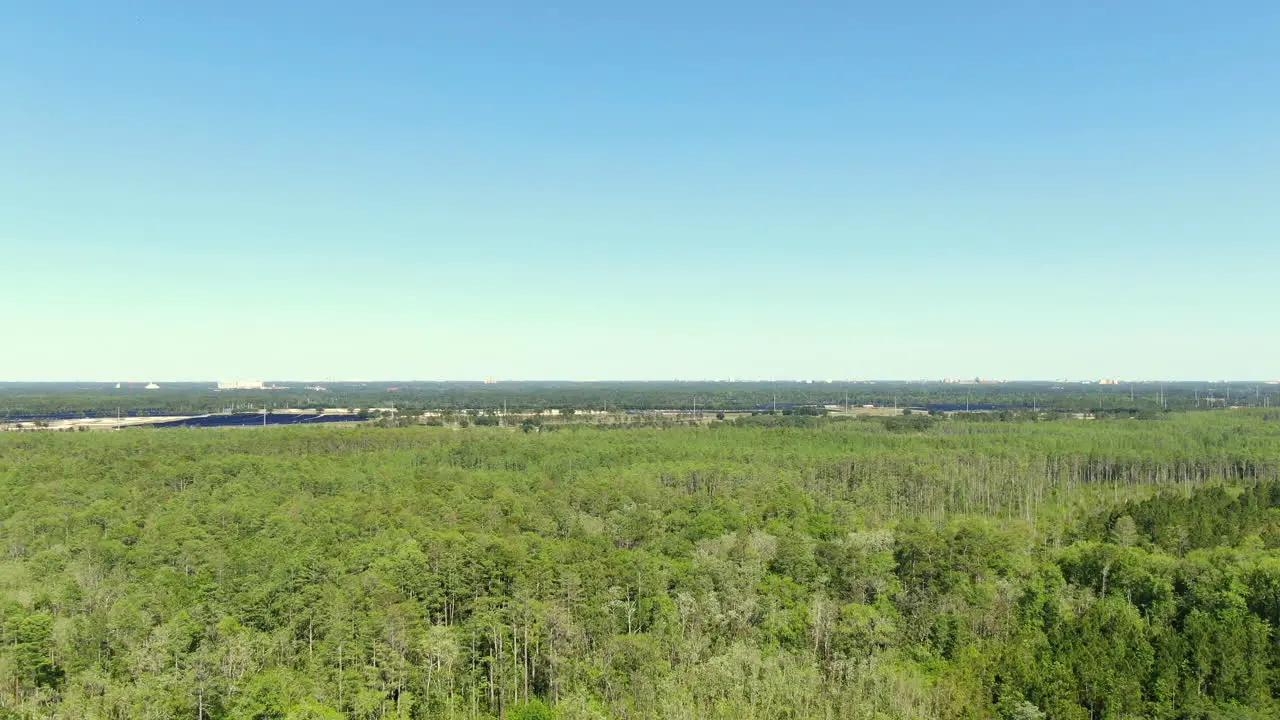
{"x": 644, "y": 191}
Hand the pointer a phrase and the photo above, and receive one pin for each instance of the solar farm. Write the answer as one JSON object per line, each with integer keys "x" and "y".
{"x": 258, "y": 419}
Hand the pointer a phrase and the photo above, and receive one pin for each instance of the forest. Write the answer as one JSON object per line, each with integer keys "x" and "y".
{"x": 106, "y": 399}
{"x": 788, "y": 567}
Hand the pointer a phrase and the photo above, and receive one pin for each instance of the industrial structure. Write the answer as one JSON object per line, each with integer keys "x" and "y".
{"x": 241, "y": 385}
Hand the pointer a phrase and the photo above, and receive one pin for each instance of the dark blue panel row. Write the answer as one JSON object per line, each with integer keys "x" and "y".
{"x": 250, "y": 419}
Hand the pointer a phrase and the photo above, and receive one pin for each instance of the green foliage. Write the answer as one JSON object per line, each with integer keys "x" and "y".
{"x": 908, "y": 422}
{"x": 32, "y": 649}
{"x": 534, "y": 709}
{"x": 780, "y": 566}
{"x": 311, "y": 710}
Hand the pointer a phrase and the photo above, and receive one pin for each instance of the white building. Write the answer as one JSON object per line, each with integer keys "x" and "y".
{"x": 241, "y": 385}
{"x": 152, "y": 386}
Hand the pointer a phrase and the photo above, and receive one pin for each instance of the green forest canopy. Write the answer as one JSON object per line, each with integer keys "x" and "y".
{"x": 1064, "y": 570}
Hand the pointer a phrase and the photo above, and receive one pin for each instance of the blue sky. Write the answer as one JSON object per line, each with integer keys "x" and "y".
{"x": 640, "y": 190}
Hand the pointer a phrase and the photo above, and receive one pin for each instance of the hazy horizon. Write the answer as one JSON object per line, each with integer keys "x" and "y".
{"x": 647, "y": 191}
{"x": 946, "y": 380}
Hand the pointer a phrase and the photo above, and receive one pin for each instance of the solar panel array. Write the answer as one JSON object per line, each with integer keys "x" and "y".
{"x": 250, "y": 419}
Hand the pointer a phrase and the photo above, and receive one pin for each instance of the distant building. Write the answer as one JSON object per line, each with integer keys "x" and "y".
{"x": 490, "y": 381}
{"x": 1108, "y": 381}
{"x": 241, "y": 385}
{"x": 152, "y": 386}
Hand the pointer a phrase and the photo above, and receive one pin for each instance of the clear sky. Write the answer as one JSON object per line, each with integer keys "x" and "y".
{"x": 640, "y": 190}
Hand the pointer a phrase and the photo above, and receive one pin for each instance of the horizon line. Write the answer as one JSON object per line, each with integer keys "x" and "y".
{"x": 950, "y": 380}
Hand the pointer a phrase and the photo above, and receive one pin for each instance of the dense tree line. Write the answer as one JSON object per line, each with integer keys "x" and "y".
{"x": 781, "y": 567}
{"x": 1142, "y": 399}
